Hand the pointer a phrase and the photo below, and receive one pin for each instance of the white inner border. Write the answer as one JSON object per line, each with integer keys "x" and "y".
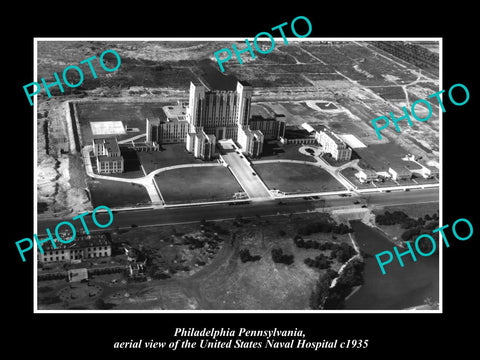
{"x": 307, "y": 39}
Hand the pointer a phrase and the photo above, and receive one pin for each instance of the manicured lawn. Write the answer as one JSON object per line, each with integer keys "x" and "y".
{"x": 297, "y": 178}
{"x": 197, "y": 184}
{"x": 275, "y": 150}
{"x": 116, "y": 194}
{"x": 171, "y": 154}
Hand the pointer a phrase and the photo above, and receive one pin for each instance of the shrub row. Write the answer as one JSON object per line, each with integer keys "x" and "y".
{"x": 325, "y": 227}
{"x": 342, "y": 252}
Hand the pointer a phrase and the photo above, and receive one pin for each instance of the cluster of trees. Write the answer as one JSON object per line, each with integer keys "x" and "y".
{"x": 325, "y": 227}
{"x": 414, "y": 227}
{"x": 412, "y": 53}
{"x": 425, "y": 245}
{"x": 320, "y": 262}
{"x": 325, "y": 297}
{"x": 352, "y": 276}
{"x": 245, "y": 256}
{"x": 321, "y": 290}
{"x": 391, "y": 218}
{"x": 279, "y": 257}
{"x": 399, "y": 217}
{"x": 342, "y": 252}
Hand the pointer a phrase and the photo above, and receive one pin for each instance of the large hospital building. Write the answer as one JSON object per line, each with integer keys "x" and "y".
{"x": 213, "y": 115}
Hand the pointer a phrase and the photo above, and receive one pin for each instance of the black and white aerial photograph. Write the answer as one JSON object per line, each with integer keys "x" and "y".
{"x": 235, "y": 182}
{"x": 211, "y": 179}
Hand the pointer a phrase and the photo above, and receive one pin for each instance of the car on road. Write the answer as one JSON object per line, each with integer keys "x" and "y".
{"x": 254, "y": 174}
{"x": 356, "y": 202}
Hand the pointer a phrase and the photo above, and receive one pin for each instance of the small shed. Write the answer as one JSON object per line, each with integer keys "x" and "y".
{"x": 75, "y": 275}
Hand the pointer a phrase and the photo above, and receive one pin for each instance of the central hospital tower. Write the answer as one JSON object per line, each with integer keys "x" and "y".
{"x": 213, "y": 115}
{"x": 221, "y": 114}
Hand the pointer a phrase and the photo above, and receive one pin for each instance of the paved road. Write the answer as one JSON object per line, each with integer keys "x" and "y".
{"x": 243, "y": 172}
{"x": 157, "y": 217}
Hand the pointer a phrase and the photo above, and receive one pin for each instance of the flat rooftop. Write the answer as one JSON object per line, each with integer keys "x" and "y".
{"x": 107, "y": 128}
{"x": 110, "y": 143}
{"x": 174, "y": 113}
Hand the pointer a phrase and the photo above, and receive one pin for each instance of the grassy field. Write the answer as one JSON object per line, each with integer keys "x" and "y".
{"x": 197, "y": 184}
{"x": 275, "y": 150}
{"x": 116, "y": 194}
{"x": 296, "y": 178}
{"x": 171, "y": 154}
{"x": 264, "y": 284}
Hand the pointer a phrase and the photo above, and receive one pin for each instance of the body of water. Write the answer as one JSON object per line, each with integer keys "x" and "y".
{"x": 400, "y": 287}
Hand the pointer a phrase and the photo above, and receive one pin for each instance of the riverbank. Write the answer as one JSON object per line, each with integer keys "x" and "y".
{"x": 401, "y": 287}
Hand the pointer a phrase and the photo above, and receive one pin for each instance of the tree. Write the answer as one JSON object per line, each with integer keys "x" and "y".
{"x": 320, "y": 293}
{"x": 279, "y": 257}
{"x": 321, "y": 290}
{"x": 246, "y": 256}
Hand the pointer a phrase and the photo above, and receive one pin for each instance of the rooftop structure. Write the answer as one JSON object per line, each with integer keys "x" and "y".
{"x": 211, "y": 115}
{"x": 108, "y": 156}
{"x": 332, "y": 143}
{"x": 82, "y": 247}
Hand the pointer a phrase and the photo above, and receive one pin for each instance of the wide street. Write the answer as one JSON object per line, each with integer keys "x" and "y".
{"x": 179, "y": 215}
